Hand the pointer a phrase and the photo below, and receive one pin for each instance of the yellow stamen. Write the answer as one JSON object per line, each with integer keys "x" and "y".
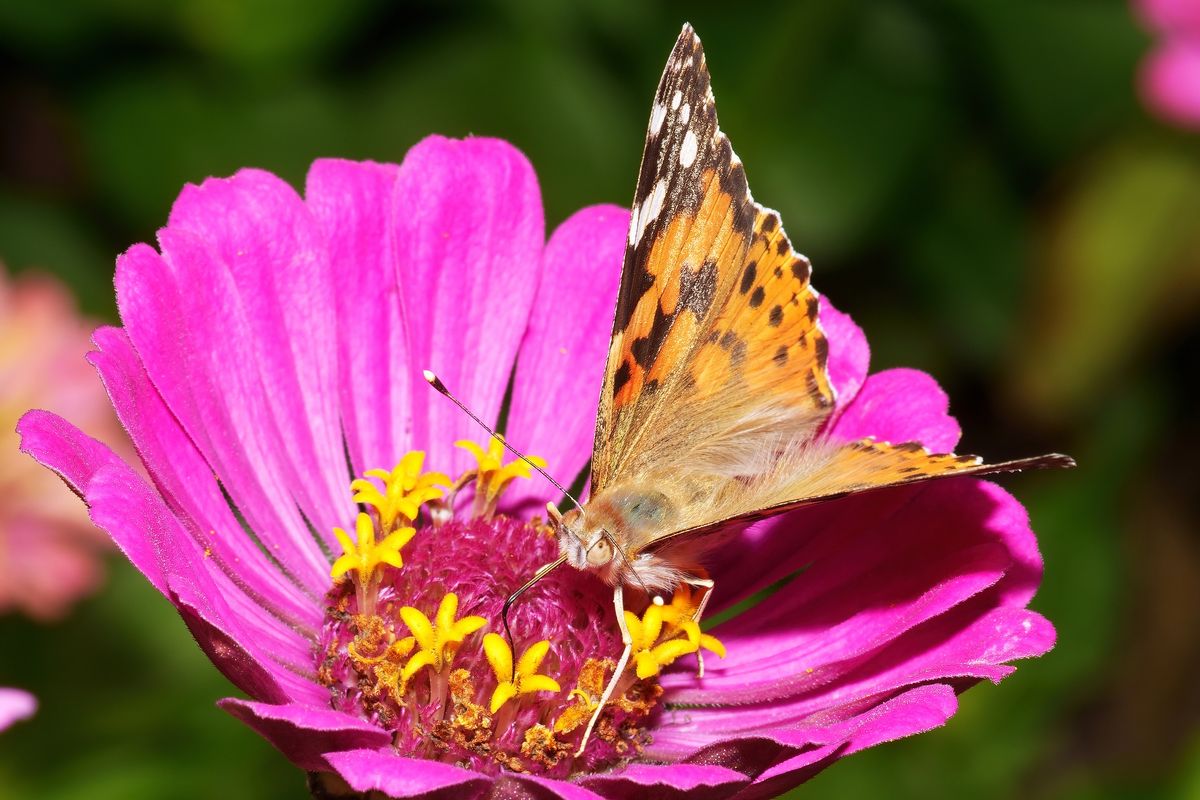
{"x": 654, "y": 649}
{"x": 680, "y": 615}
{"x": 491, "y": 475}
{"x": 438, "y": 641}
{"x": 405, "y": 490}
{"x": 524, "y": 679}
{"x": 365, "y": 558}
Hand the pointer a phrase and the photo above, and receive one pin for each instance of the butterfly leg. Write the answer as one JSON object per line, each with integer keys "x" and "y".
{"x": 619, "y": 605}
{"x": 707, "y": 585}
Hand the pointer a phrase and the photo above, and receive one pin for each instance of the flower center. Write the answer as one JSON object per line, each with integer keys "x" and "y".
{"x": 415, "y": 643}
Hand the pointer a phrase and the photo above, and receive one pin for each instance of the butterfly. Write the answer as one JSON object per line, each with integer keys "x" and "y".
{"x": 716, "y": 390}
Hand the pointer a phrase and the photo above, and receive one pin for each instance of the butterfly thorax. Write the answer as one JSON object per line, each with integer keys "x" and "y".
{"x": 609, "y": 537}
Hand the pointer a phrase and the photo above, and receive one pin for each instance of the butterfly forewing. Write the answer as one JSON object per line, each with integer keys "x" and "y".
{"x": 716, "y": 351}
{"x": 716, "y": 390}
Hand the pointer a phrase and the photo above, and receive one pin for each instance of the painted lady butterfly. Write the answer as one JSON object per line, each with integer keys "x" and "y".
{"x": 716, "y": 391}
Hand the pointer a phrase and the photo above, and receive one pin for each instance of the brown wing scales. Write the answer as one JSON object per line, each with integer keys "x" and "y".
{"x": 715, "y": 317}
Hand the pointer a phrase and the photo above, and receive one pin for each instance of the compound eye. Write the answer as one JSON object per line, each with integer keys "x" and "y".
{"x": 600, "y": 553}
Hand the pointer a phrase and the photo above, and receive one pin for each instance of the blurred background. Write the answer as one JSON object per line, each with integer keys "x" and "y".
{"x": 1002, "y": 193}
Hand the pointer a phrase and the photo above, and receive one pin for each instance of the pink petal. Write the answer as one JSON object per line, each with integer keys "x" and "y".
{"x": 964, "y": 645}
{"x": 254, "y": 650}
{"x": 57, "y": 444}
{"x": 261, "y": 233}
{"x": 901, "y": 405}
{"x": 399, "y": 777}
{"x": 190, "y": 330}
{"x": 469, "y": 236}
{"x": 352, "y": 203}
{"x": 251, "y": 647}
{"x": 15, "y": 705}
{"x": 519, "y": 786}
{"x": 693, "y": 781}
{"x": 1170, "y": 82}
{"x": 1171, "y": 17}
{"x": 561, "y": 364}
{"x": 186, "y": 482}
{"x": 916, "y": 711}
{"x": 951, "y": 541}
{"x": 303, "y": 733}
{"x": 849, "y": 354}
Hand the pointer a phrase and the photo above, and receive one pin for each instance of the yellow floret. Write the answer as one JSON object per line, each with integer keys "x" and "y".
{"x": 405, "y": 490}
{"x": 522, "y": 680}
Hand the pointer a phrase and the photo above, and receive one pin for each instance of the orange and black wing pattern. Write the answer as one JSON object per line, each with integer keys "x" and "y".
{"x": 715, "y": 337}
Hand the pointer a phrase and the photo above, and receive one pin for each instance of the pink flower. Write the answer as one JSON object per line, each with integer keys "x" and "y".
{"x": 49, "y": 550}
{"x": 271, "y": 337}
{"x": 1170, "y": 75}
{"x": 15, "y": 706}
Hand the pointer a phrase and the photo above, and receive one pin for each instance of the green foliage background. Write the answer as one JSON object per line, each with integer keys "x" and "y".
{"x": 974, "y": 180}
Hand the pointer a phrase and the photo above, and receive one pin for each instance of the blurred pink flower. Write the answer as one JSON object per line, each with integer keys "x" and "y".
{"x": 50, "y": 552}
{"x": 1170, "y": 75}
{"x": 15, "y": 705}
{"x": 272, "y": 347}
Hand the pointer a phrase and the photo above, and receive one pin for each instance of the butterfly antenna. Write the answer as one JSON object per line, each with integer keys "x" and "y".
{"x": 542, "y": 572}
{"x": 436, "y": 383}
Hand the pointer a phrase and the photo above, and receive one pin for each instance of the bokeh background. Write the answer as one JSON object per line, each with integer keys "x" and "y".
{"x": 977, "y": 181}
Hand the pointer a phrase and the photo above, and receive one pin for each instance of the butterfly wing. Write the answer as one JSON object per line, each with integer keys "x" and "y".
{"x": 830, "y": 471}
{"x": 716, "y": 387}
{"x": 716, "y": 349}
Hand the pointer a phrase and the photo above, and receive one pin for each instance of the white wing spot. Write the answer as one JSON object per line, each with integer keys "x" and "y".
{"x": 649, "y": 210}
{"x": 633, "y": 226}
{"x": 676, "y": 99}
{"x": 687, "y": 151}
{"x": 657, "y": 115}
{"x": 685, "y": 113}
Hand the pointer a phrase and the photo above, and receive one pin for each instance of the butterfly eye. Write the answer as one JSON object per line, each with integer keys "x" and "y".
{"x": 600, "y": 553}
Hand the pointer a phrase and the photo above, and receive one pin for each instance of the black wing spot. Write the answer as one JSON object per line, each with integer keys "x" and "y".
{"x": 748, "y": 277}
{"x": 621, "y": 377}
{"x": 822, "y": 351}
{"x": 756, "y": 299}
{"x": 776, "y": 316}
{"x": 781, "y": 355}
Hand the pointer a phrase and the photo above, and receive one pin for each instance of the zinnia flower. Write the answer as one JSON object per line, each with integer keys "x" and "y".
{"x": 50, "y": 553}
{"x": 271, "y": 353}
{"x": 15, "y": 705}
{"x": 1170, "y": 75}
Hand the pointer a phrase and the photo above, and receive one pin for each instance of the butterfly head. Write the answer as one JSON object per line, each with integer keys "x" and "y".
{"x": 587, "y": 546}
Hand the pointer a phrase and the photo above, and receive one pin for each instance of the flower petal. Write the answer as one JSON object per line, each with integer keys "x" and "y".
{"x": 942, "y": 547}
{"x": 255, "y": 650}
{"x": 352, "y": 204}
{"x": 849, "y": 354}
{"x": 399, "y": 777}
{"x": 305, "y": 733}
{"x": 915, "y": 711}
{"x": 190, "y": 330}
{"x": 15, "y": 705}
{"x": 261, "y": 231}
{"x": 901, "y": 405}
{"x": 692, "y": 781}
{"x": 561, "y": 363}
{"x": 469, "y": 236}
{"x": 186, "y": 482}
